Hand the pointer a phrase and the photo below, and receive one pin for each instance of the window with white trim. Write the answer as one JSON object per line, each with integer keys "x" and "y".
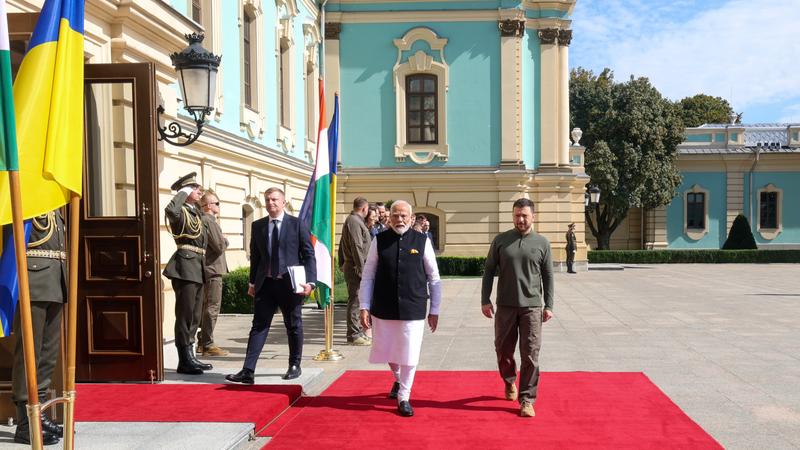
{"x": 421, "y": 80}
{"x": 770, "y": 211}
{"x": 695, "y": 212}
{"x": 251, "y": 35}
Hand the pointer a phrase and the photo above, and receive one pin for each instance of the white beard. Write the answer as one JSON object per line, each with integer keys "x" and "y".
{"x": 400, "y": 229}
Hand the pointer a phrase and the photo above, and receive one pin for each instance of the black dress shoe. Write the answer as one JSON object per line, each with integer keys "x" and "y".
{"x": 51, "y": 427}
{"x": 405, "y": 409}
{"x": 23, "y": 436}
{"x": 293, "y": 372}
{"x": 395, "y": 390}
{"x": 244, "y": 376}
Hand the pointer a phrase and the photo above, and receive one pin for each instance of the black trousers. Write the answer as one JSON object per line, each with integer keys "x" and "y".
{"x": 275, "y": 294}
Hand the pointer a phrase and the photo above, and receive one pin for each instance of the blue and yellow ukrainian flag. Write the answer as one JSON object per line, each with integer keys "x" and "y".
{"x": 48, "y": 128}
{"x": 48, "y": 94}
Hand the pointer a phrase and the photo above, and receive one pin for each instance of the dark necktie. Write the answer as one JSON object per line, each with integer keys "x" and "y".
{"x": 274, "y": 261}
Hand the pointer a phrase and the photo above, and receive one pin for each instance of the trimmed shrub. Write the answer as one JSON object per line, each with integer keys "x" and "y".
{"x": 694, "y": 256}
{"x": 234, "y": 292}
{"x": 461, "y": 266}
{"x": 740, "y": 236}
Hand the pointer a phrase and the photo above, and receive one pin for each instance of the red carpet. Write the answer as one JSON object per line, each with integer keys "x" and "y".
{"x": 258, "y": 404}
{"x": 466, "y": 410}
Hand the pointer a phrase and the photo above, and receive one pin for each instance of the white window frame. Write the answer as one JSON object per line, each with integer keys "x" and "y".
{"x": 252, "y": 118}
{"x": 421, "y": 63}
{"x": 770, "y": 233}
{"x": 696, "y": 233}
{"x": 210, "y": 14}
{"x": 284, "y": 37}
{"x": 312, "y": 40}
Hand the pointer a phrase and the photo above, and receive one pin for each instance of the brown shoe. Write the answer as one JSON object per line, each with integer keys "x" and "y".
{"x": 526, "y": 410}
{"x": 511, "y": 392}
{"x": 215, "y": 351}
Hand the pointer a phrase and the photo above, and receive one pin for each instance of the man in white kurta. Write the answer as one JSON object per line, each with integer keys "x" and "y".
{"x": 399, "y": 275}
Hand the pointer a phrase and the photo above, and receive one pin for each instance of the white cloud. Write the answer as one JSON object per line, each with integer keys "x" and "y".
{"x": 742, "y": 50}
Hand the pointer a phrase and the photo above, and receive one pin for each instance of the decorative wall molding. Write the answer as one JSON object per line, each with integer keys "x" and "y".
{"x": 511, "y": 27}
{"x": 548, "y": 36}
{"x": 564, "y": 37}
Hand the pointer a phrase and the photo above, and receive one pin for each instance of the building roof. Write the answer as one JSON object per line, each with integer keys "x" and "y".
{"x": 733, "y": 150}
{"x": 771, "y": 137}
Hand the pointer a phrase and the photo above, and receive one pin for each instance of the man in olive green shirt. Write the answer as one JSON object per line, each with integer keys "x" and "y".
{"x": 522, "y": 260}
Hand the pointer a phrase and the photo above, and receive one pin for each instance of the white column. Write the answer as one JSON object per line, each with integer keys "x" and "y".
{"x": 331, "y": 70}
{"x": 548, "y": 114}
{"x": 511, "y": 32}
{"x": 564, "y": 38}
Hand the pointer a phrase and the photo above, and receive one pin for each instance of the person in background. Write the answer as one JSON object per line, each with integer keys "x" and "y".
{"x": 572, "y": 248}
{"x": 215, "y": 267}
{"x": 354, "y": 245}
{"x": 372, "y": 221}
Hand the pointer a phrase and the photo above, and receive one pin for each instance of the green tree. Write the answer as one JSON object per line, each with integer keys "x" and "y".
{"x": 702, "y": 108}
{"x": 631, "y": 133}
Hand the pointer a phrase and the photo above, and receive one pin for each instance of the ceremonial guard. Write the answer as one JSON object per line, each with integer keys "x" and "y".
{"x": 185, "y": 269}
{"x": 47, "y": 282}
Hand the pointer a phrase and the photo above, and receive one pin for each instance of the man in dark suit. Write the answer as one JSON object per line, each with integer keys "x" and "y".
{"x": 278, "y": 242}
{"x": 47, "y": 281}
{"x": 185, "y": 269}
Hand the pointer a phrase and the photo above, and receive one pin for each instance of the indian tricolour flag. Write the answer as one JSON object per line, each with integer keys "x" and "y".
{"x": 320, "y": 198}
{"x": 8, "y": 161}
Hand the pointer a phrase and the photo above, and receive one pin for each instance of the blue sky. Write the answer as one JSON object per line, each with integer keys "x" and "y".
{"x": 746, "y": 51}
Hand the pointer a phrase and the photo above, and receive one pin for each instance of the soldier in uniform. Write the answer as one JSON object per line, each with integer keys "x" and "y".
{"x": 47, "y": 281}
{"x": 572, "y": 247}
{"x": 185, "y": 269}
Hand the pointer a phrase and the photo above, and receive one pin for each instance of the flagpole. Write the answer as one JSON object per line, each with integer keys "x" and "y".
{"x": 72, "y": 316}
{"x": 26, "y": 325}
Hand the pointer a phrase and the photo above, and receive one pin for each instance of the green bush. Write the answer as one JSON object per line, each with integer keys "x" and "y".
{"x": 461, "y": 265}
{"x": 234, "y": 292}
{"x": 740, "y": 236}
{"x": 693, "y": 256}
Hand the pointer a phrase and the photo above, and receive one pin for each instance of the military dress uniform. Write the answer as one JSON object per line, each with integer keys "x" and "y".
{"x": 47, "y": 283}
{"x": 185, "y": 269}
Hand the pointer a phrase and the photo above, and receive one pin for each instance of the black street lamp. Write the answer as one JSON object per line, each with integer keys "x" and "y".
{"x": 197, "y": 76}
{"x": 591, "y": 197}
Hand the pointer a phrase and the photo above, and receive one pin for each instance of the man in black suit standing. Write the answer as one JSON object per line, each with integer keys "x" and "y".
{"x": 278, "y": 242}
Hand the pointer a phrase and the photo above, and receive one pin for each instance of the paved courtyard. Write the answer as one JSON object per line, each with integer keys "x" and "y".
{"x": 722, "y": 341}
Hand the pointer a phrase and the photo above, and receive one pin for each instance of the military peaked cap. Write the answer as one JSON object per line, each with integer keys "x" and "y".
{"x": 186, "y": 180}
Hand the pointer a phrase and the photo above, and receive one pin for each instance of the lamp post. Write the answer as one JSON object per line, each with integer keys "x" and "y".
{"x": 197, "y": 77}
{"x": 591, "y": 197}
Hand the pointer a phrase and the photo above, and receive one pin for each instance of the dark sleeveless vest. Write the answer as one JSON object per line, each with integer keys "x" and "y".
{"x": 401, "y": 286}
